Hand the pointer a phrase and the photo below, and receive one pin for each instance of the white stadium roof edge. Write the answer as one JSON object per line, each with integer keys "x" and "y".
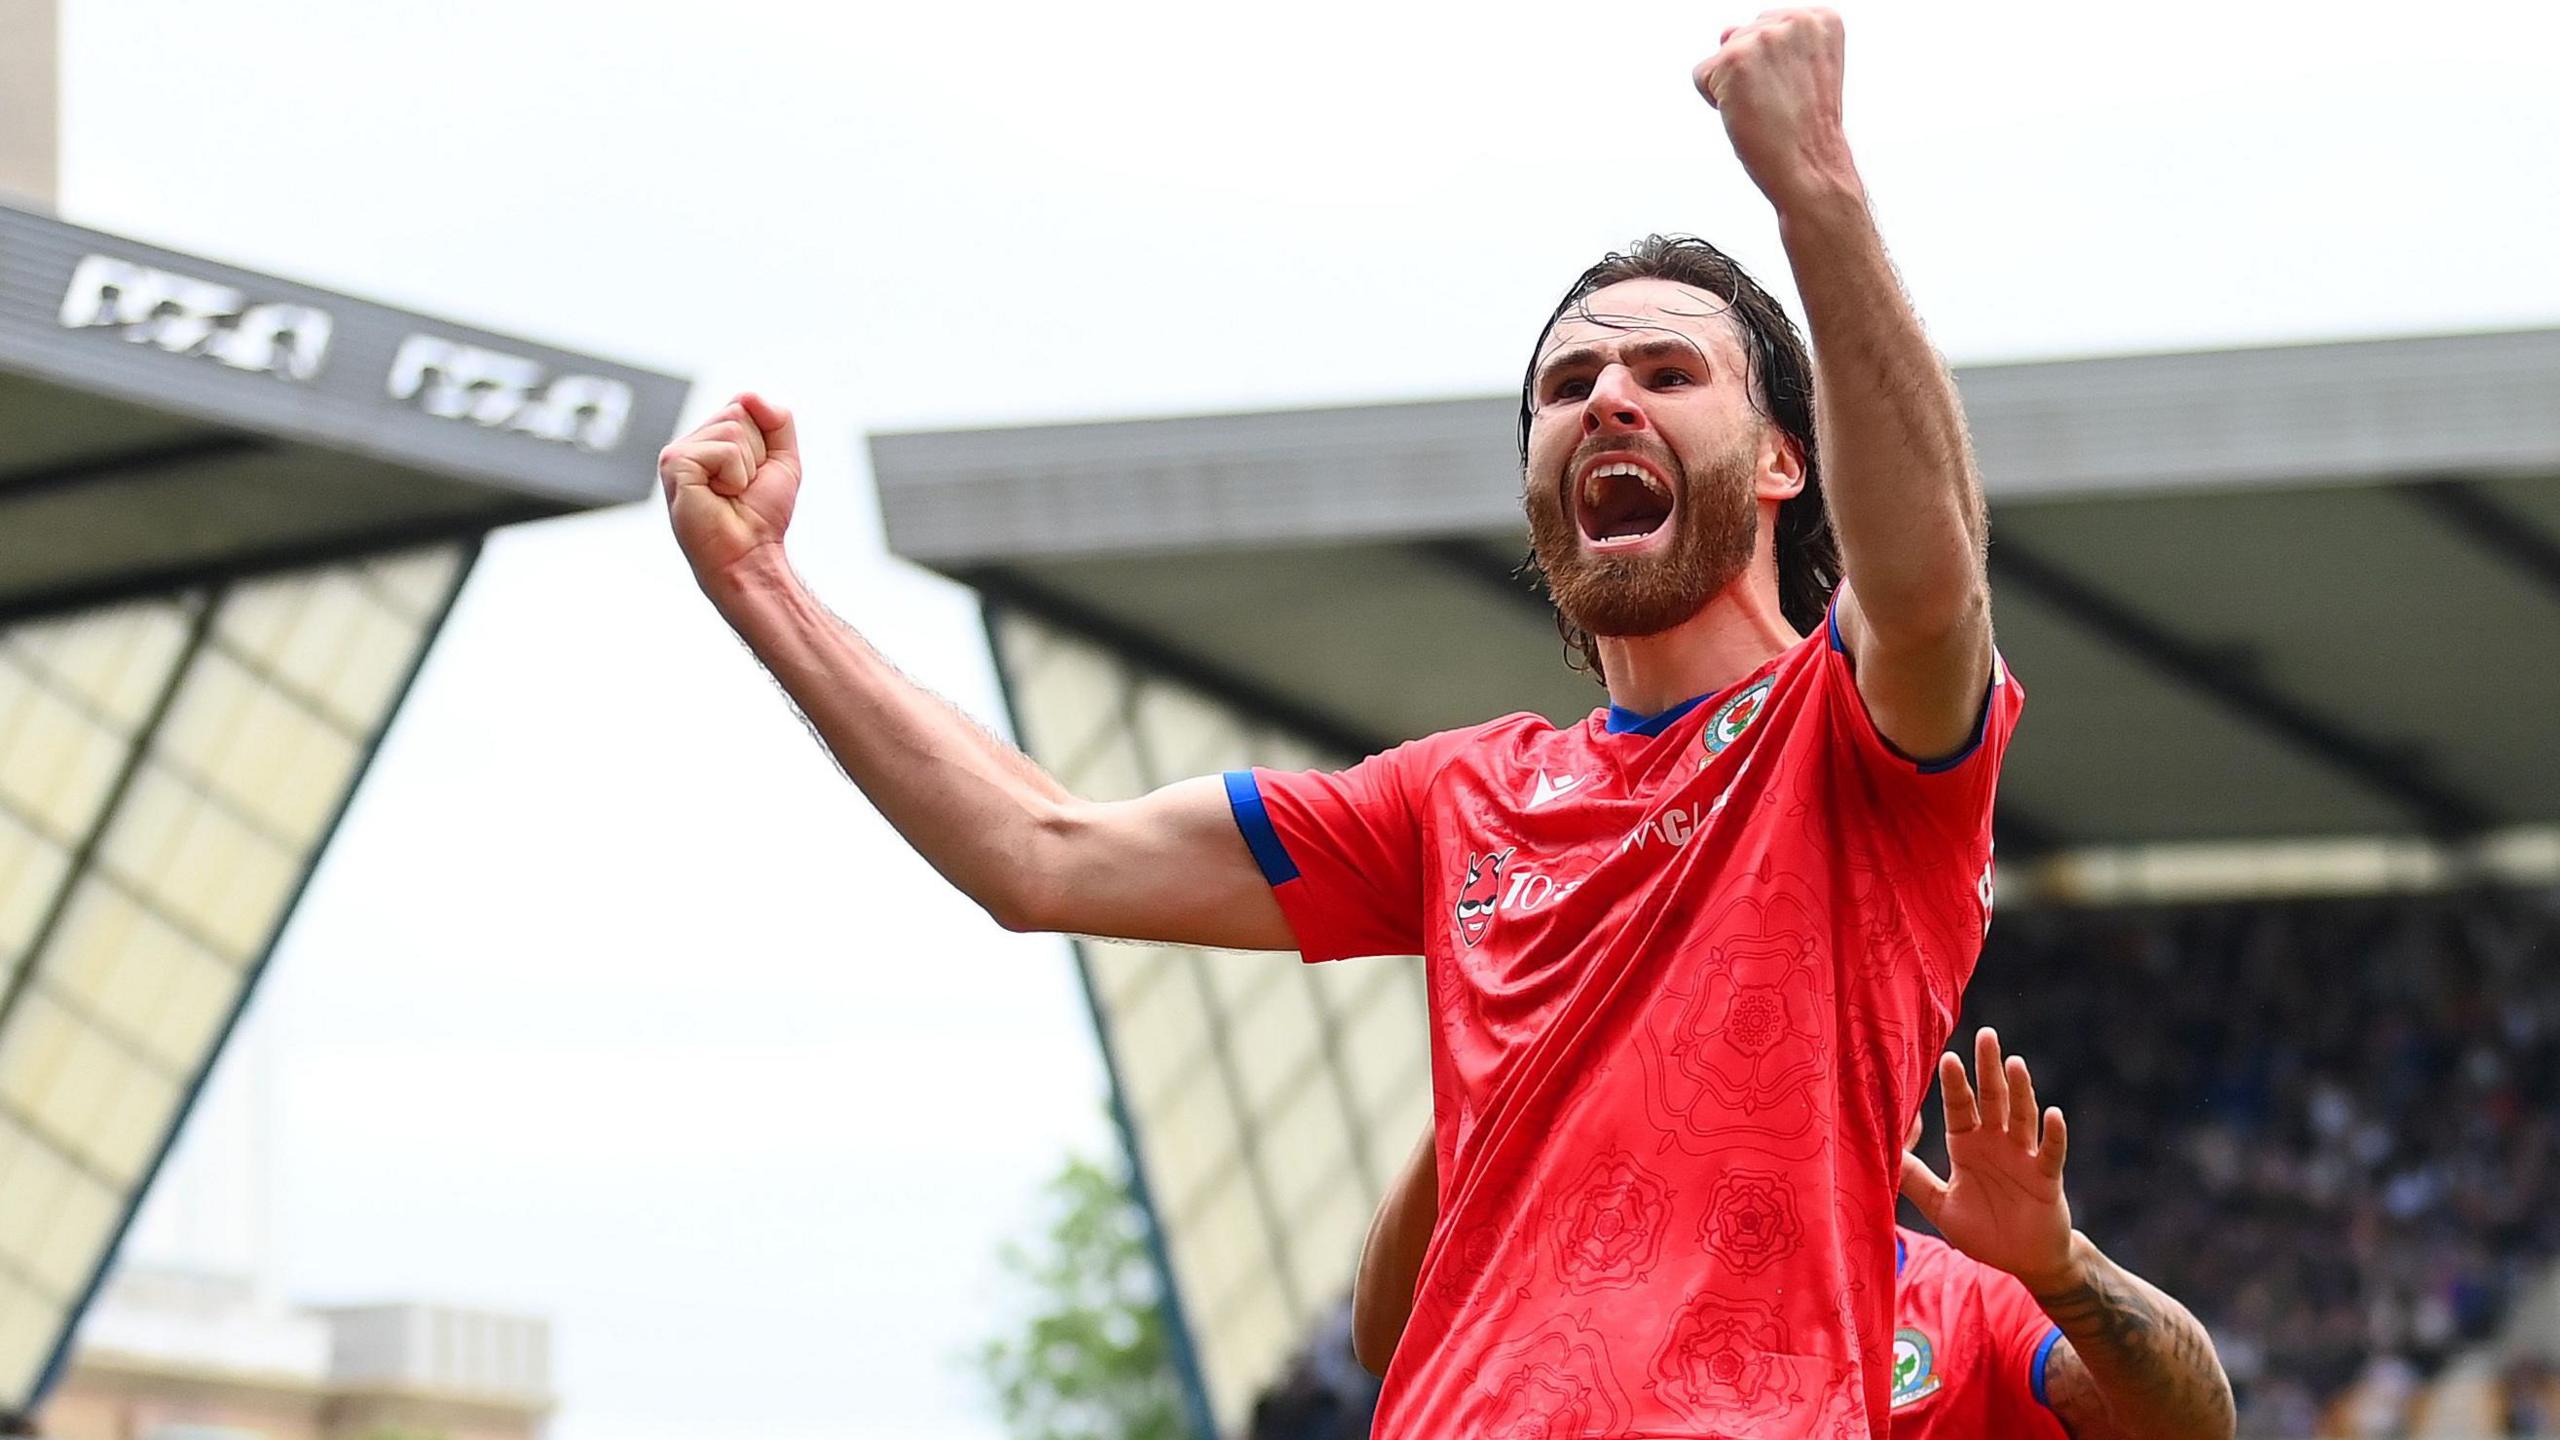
{"x": 234, "y": 511}
{"x": 2289, "y": 617}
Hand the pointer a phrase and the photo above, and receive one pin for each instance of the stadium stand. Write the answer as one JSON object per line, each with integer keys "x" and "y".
{"x": 2329, "y": 1126}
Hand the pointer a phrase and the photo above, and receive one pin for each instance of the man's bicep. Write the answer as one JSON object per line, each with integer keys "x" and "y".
{"x": 1172, "y": 866}
{"x": 2072, "y": 1395}
{"x": 1926, "y": 692}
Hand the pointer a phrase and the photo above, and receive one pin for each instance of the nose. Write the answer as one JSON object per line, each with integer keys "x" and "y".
{"x": 1614, "y": 407}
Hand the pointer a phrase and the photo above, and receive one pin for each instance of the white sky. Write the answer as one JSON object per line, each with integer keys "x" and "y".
{"x": 611, "y": 1001}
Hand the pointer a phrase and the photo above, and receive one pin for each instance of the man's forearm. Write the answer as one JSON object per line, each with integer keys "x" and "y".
{"x": 1897, "y": 464}
{"x": 970, "y": 804}
{"x": 2148, "y": 1370}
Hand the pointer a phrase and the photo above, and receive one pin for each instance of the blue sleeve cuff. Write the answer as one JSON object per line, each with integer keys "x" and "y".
{"x": 2035, "y": 1368}
{"x": 1244, "y": 797}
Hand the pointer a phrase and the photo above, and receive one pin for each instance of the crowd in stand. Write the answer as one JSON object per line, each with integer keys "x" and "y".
{"x": 2332, "y": 1128}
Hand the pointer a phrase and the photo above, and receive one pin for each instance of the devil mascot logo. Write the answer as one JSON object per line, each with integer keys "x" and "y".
{"x": 1482, "y": 892}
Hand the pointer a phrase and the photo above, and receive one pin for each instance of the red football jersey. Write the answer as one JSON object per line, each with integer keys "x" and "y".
{"x": 1970, "y": 1352}
{"x": 1688, "y": 973}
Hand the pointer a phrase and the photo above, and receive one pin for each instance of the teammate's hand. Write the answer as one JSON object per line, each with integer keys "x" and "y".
{"x": 2002, "y": 1203}
{"x": 730, "y": 485}
{"x": 1776, "y": 82}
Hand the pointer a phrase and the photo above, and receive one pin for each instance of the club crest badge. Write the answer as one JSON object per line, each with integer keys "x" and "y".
{"x": 1480, "y": 894}
{"x": 1915, "y": 1367}
{"x": 1736, "y": 715}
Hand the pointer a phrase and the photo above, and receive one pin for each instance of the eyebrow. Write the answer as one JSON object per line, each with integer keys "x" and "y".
{"x": 1640, "y": 351}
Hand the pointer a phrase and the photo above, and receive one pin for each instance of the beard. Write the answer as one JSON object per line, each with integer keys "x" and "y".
{"x": 1625, "y": 595}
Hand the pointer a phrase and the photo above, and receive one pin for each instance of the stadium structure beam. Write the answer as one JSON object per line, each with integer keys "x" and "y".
{"x": 2396, "y": 773}
{"x": 2022, "y": 834}
{"x": 256, "y": 970}
{"x": 1178, "y": 1333}
{"x": 143, "y": 463}
{"x": 1326, "y": 731}
{"x": 83, "y": 851}
{"x": 132, "y": 584}
{"x": 2489, "y": 524}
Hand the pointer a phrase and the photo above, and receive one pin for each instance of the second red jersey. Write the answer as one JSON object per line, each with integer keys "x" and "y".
{"x": 1970, "y": 1349}
{"x": 1688, "y": 973}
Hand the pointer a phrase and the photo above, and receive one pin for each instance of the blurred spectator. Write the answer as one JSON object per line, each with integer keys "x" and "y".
{"x": 1324, "y": 1394}
{"x": 2326, "y": 1126}
{"x": 2526, "y": 1398}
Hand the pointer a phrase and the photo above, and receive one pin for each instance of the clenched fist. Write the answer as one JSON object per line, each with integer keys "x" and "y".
{"x": 1776, "y": 82}
{"x": 730, "y": 486}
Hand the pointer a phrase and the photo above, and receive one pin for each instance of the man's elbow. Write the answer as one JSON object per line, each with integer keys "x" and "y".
{"x": 1031, "y": 896}
{"x": 1373, "y": 1335}
{"x": 1034, "y": 903}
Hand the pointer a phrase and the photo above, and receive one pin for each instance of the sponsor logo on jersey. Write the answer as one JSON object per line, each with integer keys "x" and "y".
{"x": 1549, "y": 788}
{"x": 1531, "y": 890}
{"x": 1736, "y": 715}
{"x": 1674, "y": 826}
{"x": 1481, "y": 895}
{"x": 1915, "y": 1367}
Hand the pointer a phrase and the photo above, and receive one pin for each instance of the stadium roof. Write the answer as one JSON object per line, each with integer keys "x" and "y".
{"x": 164, "y": 418}
{"x": 234, "y": 511}
{"x": 2308, "y": 591}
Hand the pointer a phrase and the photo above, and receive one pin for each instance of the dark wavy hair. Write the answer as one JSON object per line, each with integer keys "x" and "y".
{"x": 1781, "y": 381}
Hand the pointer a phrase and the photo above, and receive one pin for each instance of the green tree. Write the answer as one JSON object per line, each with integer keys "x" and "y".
{"x": 1093, "y": 1361}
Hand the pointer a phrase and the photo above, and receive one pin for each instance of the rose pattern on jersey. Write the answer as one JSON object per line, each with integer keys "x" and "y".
{"x": 1556, "y": 1383}
{"x": 1736, "y": 1045}
{"x": 1725, "y": 1366}
{"x": 1913, "y": 917}
{"x": 1866, "y": 1316}
{"x": 1461, "y": 1263}
{"x": 1885, "y": 1074}
{"x": 1751, "y": 1222}
{"x": 1606, "y": 1230}
{"x": 1841, "y": 1414}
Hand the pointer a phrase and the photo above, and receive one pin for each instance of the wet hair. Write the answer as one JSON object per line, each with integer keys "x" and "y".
{"x": 1781, "y": 387}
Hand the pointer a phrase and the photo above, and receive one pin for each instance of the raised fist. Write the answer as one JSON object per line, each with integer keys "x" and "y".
{"x": 1776, "y": 82}
{"x": 730, "y": 485}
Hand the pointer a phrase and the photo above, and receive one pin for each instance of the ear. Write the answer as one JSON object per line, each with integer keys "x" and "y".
{"x": 1781, "y": 466}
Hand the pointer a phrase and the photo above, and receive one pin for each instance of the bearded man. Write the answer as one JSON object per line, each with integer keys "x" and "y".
{"x": 1689, "y": 958}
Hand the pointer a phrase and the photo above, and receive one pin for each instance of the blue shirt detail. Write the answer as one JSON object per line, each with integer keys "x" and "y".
{"x": 2035, "y": 1371}
{"x": 1623, "y": 721}
{"x": 1244, "y": 797}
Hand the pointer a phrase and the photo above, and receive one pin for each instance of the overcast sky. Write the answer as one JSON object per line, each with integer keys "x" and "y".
{"x": 611, "y": 1001}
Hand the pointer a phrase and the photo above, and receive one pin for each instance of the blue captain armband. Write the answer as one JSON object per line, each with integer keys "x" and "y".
{"x": 1244, "y": 797}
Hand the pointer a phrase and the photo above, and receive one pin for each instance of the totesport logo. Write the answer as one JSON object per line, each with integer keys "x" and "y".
{"x": 1481, "y": 893}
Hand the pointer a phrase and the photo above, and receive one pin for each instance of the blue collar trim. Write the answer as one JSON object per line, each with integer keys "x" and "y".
{"x": 1623, "y": 721}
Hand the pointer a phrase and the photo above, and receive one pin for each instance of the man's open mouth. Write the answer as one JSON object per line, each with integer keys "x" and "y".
{"x": 1621, "y": 502}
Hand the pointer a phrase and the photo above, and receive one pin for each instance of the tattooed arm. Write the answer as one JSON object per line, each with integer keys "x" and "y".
{"x": 2133, "y": 1364}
